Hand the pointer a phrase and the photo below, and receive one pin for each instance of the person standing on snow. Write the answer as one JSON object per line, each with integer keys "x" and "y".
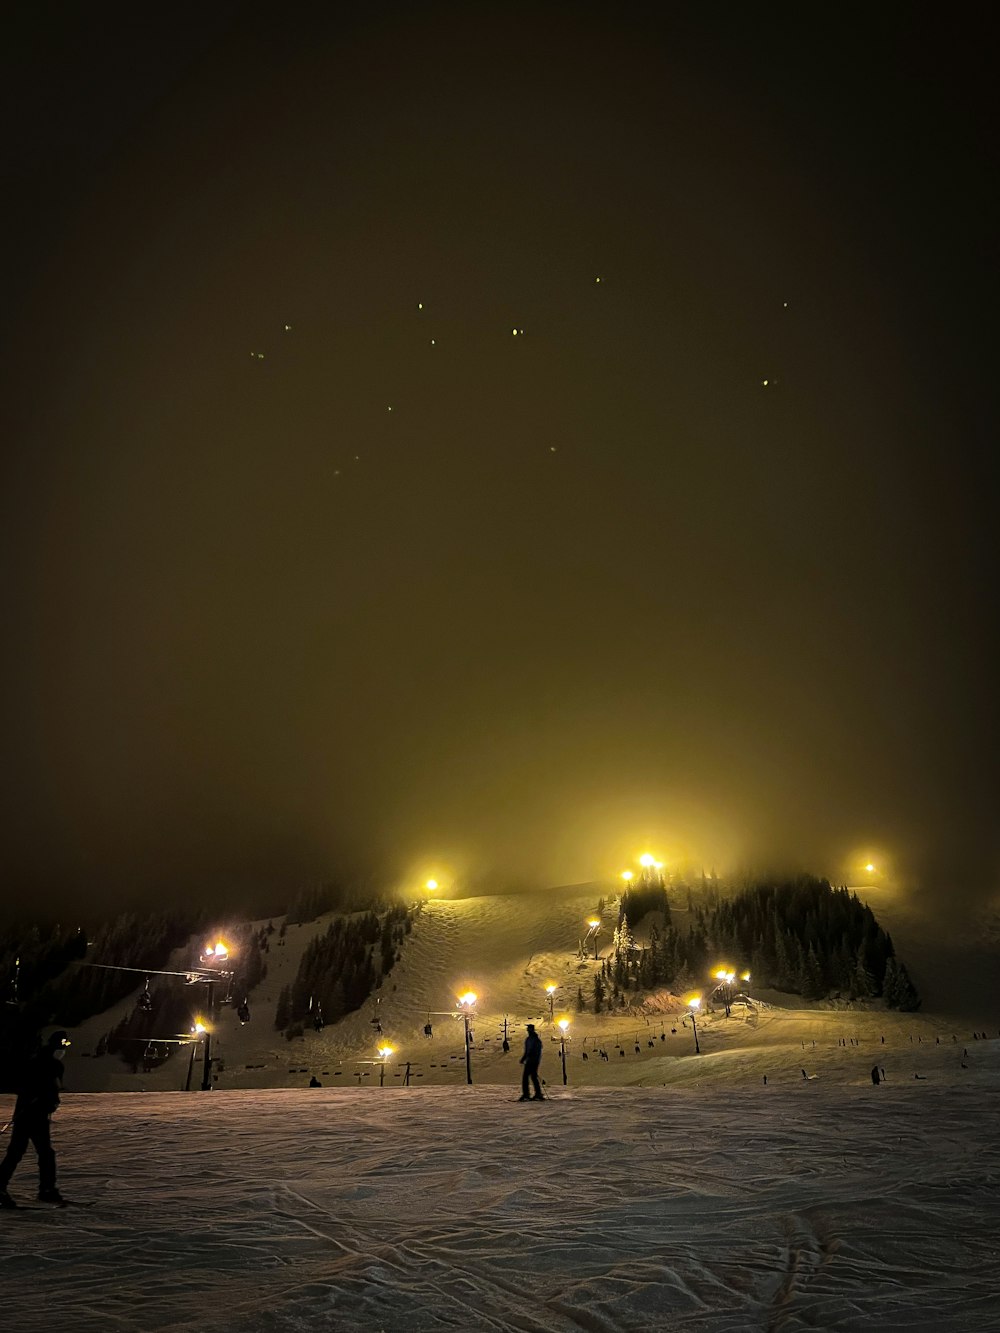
{"x": 531, "y": 1059}
{"x": 37, "y": 1099}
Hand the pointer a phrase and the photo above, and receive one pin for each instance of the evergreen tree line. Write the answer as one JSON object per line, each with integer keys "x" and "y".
{"x": 315, "y": 900}
{"x": 342, "y": 967}
{"x": 801, "y": 936}
{"x": 641, "y": 899}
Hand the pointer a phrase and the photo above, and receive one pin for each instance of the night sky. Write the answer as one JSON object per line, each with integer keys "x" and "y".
{"x": 492, "y": 440}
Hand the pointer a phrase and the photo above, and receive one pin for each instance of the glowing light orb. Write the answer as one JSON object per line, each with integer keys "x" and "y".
{"x": 647, "y": 860}
{"x": 431, "y": 884}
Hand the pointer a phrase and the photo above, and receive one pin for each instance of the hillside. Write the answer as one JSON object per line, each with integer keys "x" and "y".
{"x": 506, "y": 949}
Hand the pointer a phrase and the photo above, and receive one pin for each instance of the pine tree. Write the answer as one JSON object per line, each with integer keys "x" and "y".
{"x": 812, "y": 987}
{"x": 890, "y": 984}
{"x": 282, "y": 1012}
{"x": 581, "y": 1003}
{"x": 598, "y": 994}
{"x": 864, "y": 982}
{"x": 909, "y": 998}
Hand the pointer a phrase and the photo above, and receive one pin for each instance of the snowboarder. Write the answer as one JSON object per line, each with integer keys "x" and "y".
{"x": 531, "y": 1059}
{"x": 37, "y": 1099}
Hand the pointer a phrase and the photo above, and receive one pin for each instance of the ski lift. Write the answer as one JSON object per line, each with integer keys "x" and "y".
{"x": 146, "y": 1000}
{"x": 243, "y": 1010}
{"x": 428, "y": 1029}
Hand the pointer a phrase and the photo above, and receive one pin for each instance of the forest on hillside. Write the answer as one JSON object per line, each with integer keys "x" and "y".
{"x": 342, "y": 967}
{"x": 801, "y": 936}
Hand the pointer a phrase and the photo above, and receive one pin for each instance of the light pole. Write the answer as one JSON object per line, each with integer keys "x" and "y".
{"x": 745, "y": 978}
{"x": 563, "y": 1025}
{"x": 550, "y": 991}
{"x": 383, "y": 1054}
{"x": 595, "y": 930}
{"x": 725, "y": 977}
{"x": 198, "y": 1030}
{"x": 693, "y": 1006}
{"x": 467, "y": 1007}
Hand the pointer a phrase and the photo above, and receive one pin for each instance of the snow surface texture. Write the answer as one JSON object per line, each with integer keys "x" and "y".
{"x": 773, "y": 1208}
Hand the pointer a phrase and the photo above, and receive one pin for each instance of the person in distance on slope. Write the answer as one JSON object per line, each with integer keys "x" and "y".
{"x": 531, "y": 1059}
{"x": 37, "y": 1099}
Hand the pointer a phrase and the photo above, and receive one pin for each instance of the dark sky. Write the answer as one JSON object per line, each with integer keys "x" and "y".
{"x": 583, "y": 589}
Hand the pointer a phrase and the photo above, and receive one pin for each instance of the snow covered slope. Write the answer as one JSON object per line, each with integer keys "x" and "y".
{"x": 507, "y": 949}
{"x": 717, "y": 1210}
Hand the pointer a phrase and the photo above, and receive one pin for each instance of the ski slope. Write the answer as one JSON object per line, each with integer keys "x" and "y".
{"x": 800, "y": 1205}
{"x": 507, "y": 948}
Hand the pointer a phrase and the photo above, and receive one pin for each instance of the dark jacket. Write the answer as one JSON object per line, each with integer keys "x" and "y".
{"x": 38, "y": 1093}
{"x": 532, "y": 1049}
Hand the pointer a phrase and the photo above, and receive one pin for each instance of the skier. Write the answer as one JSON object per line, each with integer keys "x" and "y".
{"x": 37, "y": 1099}
{"x": 531, "y": 1059}
{"x": 876, "y": 1079}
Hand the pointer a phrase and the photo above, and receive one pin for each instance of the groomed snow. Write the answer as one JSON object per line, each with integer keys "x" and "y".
{"x": 781, "y": 1207}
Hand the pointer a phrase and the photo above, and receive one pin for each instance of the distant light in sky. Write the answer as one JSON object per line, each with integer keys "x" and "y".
{"x": 765, "y": 383}
{"x": 597, "y": 279}
{"x": 288, "y": 328}
{"x": 514, "y": 332}
{"x": 553, "y": 448}
{"x": 433, "y": 343}
{"x": 420, "y": 305}
{"x": 390, "y": 407}
{"x": 647, "y": 860}
{"x": 870, "y": 867}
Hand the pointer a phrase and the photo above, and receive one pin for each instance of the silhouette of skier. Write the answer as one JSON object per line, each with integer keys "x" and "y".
{"x": 531, "y": 1059}
{"x": 876, "y": 1079}
{"x": 37, "y": 1099}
